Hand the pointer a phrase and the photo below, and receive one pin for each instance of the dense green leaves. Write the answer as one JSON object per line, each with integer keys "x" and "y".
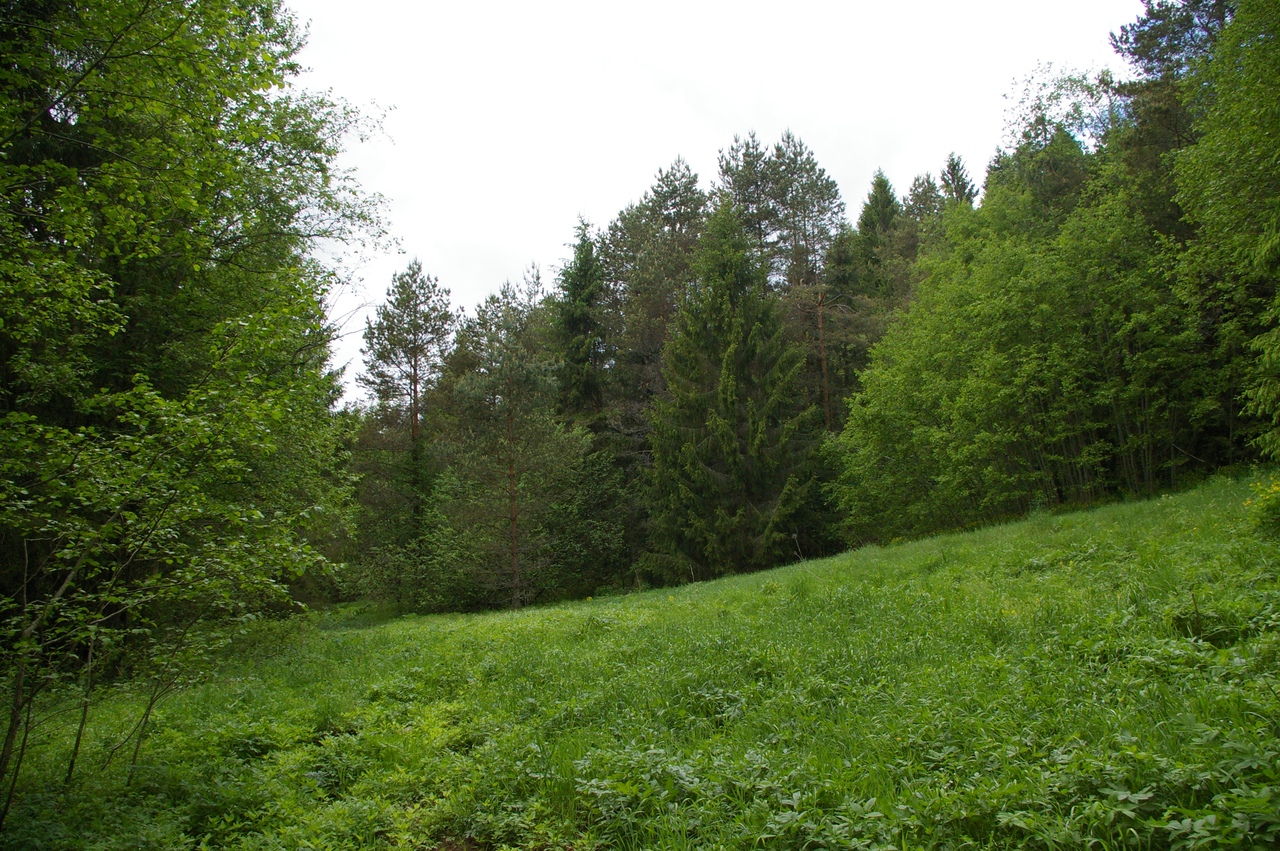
{"x": 729, "y": 440}
{"x": 580, "y": 328}
{"x": 1229, "y": 182}
{"x": 406, "y": 342}
{"x": 1074, "y": 337}
{"x": 1047, "y": 359}
{"x": 163, "y": 380}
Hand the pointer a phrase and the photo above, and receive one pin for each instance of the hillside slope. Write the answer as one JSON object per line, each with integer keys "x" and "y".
{"x": 1108, "y": 675}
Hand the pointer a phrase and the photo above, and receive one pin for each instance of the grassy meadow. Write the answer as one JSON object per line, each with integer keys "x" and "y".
{"x": 1106, "y": 678}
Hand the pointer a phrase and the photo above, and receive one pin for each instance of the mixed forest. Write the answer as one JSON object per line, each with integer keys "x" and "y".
{"x": 738, "y": 371}
{"x": 727, "y": 378}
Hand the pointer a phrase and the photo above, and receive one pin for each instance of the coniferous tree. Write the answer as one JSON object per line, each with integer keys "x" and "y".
{"x": 512, "y": 461}
{"x": 647, "y": 256}
{"x": 792, "y": 213}
{"x": 729, "y": 444}
{"x": 880, "y": 213}
{"x": 404, "y": 545}
{"x": 919, "y": 226}
{"x": 809, "y": 209}
{"x": 1172, "y": 35}
{"x": 809, "y": 214}
{"x": 956, "y": 184}
{"x": 746, "y": 179}
{"x": 580, "y": 333}
{"x": 869, "y": 274}
{"x": 924, "y": 198}
{"x": 405, "y": 344}
{"x": 790, "y": 207}
{"x": 880, "y": 210}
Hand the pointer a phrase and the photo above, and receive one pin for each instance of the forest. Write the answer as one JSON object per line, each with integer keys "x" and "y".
{"x": 735, "y": 373}
{"x": 727, "y": 378}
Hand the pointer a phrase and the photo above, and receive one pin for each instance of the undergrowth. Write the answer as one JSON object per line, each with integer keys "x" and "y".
{"x": 1101, "y": 679}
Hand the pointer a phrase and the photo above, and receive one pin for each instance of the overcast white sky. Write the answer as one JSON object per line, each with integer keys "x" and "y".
{"x": 508, "y": 120}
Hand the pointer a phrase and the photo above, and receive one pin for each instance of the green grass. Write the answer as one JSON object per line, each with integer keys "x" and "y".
{"x": 1106, "y": 677}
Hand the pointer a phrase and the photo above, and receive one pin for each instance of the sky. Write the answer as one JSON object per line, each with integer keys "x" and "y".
{"x": 504, "y": 122}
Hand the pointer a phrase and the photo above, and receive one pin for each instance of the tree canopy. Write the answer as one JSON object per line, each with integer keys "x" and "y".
{"x": 165, "y": 398}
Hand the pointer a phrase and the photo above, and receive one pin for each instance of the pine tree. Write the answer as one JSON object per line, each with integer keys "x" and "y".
{"x": 728, "y": 441}
{"x": 405, "y": 344}
{"x": 746, "y": 180}
{"x": 646, "y": 254}
{"x": 790, "y": 207}
{"x": 511, "y": 457}
{"x": 809, "y": 212}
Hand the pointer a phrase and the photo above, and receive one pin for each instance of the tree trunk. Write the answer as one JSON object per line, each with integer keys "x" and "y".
{"x": 22, "y": 751}
{"x": 84, "y": 714}
{"x": 415, "y": 451}
{"x": 15, "y": 721}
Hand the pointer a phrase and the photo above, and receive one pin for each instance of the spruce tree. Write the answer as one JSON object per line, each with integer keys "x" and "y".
{"x": 879, "y": 211}
{"x": 956, "y": 185}
{"x": 924, "y": 199}
{"x": 729, "y": 444}
{"x": 579, "y": 333}
{"x": 877, "y": 222}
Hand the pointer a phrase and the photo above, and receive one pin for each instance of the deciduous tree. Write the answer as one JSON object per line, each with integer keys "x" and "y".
{"x": 164, "y": 395}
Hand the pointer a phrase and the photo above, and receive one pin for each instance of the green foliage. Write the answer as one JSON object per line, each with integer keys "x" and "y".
{"x": 869, "y": 275}
{"x": 956, "y": 184}
{"x": 746, "y": 179}
{"x": 514, "y": 461}
{"x": 647, "y": 254}
{"x": 170, "y": 453}
{"x": 790, "y": 208}
{"x": 809, "y": 212}
{"x": 879, "y": 212}
{"x": 406, "y": 552}
{"x": 426, "y": 573}
{"x": 1100, "y": 678}
{"x": 1047, "y": 358}
{"x": 728, "y": 440}
{"x": 793, "y": 216}
{"x": 406, "y": 341}
{"x": 1173, "y": 35}
{"x": 1229, "y": 183}
{"x": 580, "y": 332}
{"x": 1265, "y": 503}
{"x": 584, "y": 530}
{"x": 924, "y": 200}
